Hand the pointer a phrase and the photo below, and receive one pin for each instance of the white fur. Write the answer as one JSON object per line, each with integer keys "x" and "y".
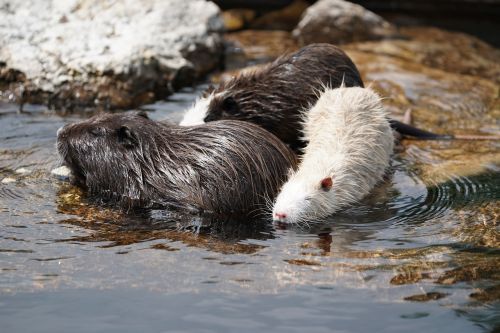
{"x": 197, "y": 113}
{"x": 350, "y": 139}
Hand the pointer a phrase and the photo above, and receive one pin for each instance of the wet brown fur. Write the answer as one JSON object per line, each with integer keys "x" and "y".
{"x": 129, "y": 159}
{"x": 274, "y": 96}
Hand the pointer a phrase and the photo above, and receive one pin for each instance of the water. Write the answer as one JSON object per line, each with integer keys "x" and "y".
{"x": 420, "y": 254}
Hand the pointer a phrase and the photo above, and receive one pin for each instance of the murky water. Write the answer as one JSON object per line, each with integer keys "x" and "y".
{"x": 418, "y": 255}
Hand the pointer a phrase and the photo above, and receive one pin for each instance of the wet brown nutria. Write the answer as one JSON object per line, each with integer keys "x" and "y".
{"x": 224, "y": 167}
{"x": 274, "y": 96}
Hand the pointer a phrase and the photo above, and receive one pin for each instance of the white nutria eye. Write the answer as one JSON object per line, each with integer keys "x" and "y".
{"x": 326, "y": 184}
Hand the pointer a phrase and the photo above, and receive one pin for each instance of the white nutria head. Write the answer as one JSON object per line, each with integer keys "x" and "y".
{"x": 198, "y": 111}
{"x": 349, "y": 147}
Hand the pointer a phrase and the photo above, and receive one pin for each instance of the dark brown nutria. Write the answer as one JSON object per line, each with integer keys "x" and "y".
{"x": 274, "y": 96}
{"x": 223, "y": 167}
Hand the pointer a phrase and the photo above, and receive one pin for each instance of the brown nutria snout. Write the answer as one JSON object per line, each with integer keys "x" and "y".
{"x": 223, "y": 167}
{"x": 274, "y": 95}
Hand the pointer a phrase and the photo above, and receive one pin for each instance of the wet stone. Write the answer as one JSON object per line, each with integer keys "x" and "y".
{"x": 236, "y": 19}
{"x": 490, "y": 294}
{"x": 472, "y": 272}
{"x": 282, "y": 19}
{"x": 432, "y": 296}
{"x": 409, "y": 277}
{"x": 338, "y": 22}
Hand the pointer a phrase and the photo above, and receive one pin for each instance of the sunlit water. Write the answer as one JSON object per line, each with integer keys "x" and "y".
{"x": 417, "y": 256}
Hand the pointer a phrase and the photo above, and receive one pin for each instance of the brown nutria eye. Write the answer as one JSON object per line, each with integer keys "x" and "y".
{"x": 230, "y": 106}
{"x": 326, "y": 183}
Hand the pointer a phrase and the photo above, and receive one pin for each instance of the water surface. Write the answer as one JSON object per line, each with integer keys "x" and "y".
{"x": 421, "y": 254}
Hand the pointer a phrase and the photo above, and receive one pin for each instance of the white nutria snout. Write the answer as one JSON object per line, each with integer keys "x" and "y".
{"x": 349, "y": 150}
{"x": 198, "y": 111}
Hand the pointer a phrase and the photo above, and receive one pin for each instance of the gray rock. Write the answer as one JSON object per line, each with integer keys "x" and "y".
{"x": 111, "y": 54}
{"x": 338, "y": 21}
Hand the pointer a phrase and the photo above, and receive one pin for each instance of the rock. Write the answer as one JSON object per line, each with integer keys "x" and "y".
{"x": 452, "y": 52}
{"x": 109, "y": 54}
{"x": 62, "y": 172}
{"x": 8, "y": 180}
{"x": 432, "y": 296}
{"x": 282, "y": 19}
{"x": 457, "y": 96}
{"x": 338, "y": 21}
{"x": 22, "y": 171}
{"x": 261, "y": 45}
{"x": 490, "y": 294}
{"x": 236, "y": 19}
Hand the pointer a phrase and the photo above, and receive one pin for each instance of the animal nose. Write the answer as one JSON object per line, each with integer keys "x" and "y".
{"x": 279, "y": 216}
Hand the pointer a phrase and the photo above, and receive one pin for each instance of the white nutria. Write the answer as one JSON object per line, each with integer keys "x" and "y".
{"x": 349, "y": 150}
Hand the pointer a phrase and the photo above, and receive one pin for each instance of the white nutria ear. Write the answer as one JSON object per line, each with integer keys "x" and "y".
{"x": 198, "y": 111}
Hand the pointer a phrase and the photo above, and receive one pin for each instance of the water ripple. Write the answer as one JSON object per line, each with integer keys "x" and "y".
{"x": 7, "y": 192}
{"x": 434, "y": 201}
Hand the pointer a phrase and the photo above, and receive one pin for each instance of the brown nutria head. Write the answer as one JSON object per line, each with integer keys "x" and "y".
{"x": 275, "y": 95}
{"x": 224, "y": 167}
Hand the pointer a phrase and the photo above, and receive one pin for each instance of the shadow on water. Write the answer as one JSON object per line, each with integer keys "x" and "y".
{"x": 117, "y": 228}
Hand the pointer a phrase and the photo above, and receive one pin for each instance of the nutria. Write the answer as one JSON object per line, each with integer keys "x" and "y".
{"x": 222, "y": 167}
{"x": 273, "y": 96}
{"x": 349, "y": 150}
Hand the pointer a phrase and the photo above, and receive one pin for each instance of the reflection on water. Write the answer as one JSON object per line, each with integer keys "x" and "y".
{"x": 422, "y": 252}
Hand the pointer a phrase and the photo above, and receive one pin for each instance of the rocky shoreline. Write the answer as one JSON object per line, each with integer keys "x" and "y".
{"x": 120, "y": 55}
{"x": 105, "y": 54}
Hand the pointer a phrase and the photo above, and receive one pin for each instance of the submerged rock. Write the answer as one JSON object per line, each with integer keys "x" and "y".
{"x": 453, "y": 52}
{"x": 449, "y": 80}
{"x": 338, "y": 21}
{"x": 110, "y": 54}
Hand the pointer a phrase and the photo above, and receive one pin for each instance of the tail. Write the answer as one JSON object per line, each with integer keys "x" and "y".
{"x": 408, "y": 130}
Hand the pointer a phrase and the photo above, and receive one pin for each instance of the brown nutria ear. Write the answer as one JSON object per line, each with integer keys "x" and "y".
{"x": 143, "y": 114}
{"x": 208, "y": 91}
{"x": 326, "y": 184}
{"x": 127, "y": 137}
{"x": 230, "y": 106}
